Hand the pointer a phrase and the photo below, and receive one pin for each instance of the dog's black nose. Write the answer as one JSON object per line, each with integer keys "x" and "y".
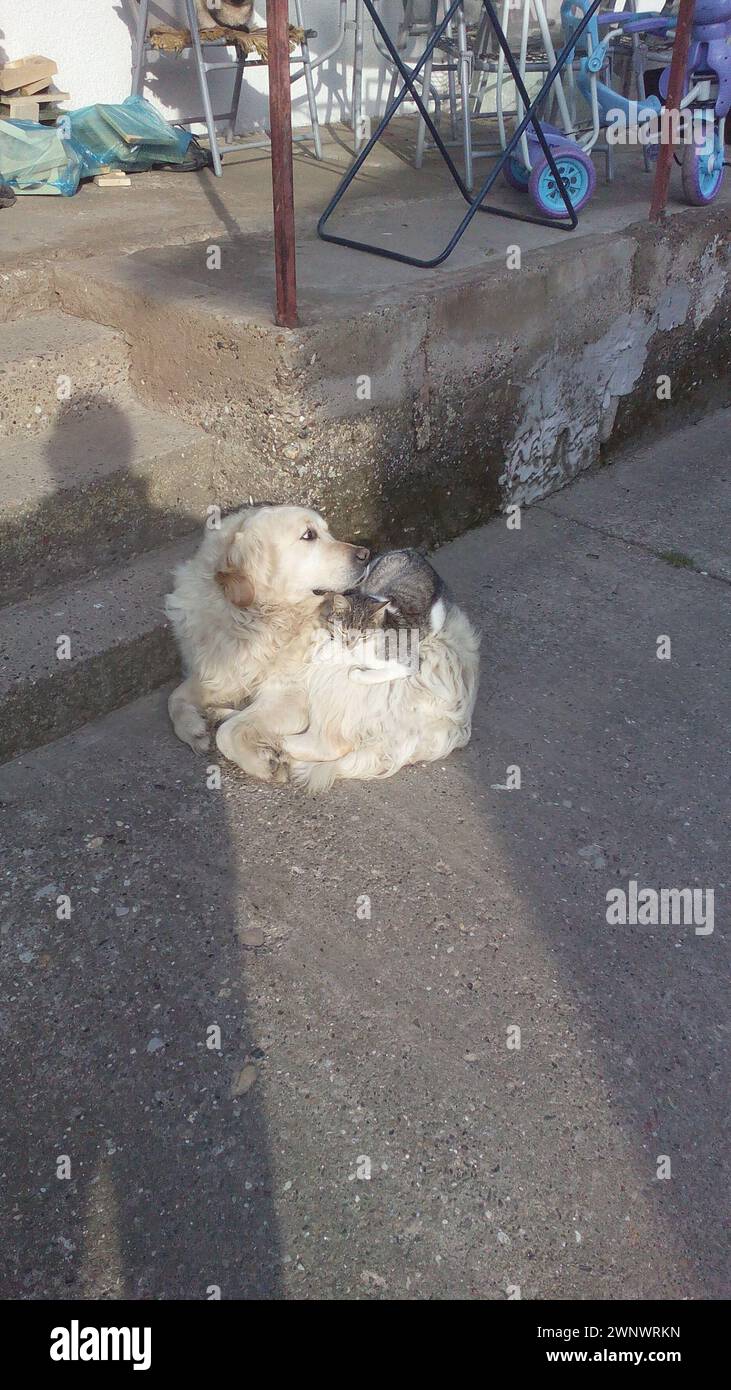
{"x": 363, "y": 553}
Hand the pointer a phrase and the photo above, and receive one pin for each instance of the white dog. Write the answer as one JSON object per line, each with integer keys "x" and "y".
{"x": 246, "y": 613}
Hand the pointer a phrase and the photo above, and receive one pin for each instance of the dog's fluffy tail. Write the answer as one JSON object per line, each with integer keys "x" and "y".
{"x": 314, "y": 778}
{"x": 365, "y": 763}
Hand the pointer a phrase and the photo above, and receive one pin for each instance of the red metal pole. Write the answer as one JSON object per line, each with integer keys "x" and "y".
{"x": 280, "y": 125}
{"x": 676, "y": 82}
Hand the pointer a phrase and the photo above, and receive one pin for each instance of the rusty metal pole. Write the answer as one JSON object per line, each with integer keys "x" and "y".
{"x": 676, "y": 82}
{"x": 280, "y": 126}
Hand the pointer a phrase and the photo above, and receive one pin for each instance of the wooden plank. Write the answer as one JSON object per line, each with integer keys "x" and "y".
{"x": 29, "y": 89}
{"x": 19, "y": 109}
{"x": 49, "y": 115}
{"x": 53, "y": 94}
{"x": 21, "y": 71}
{"x": 114, "y": 179}
{"x": 280, "y": 123}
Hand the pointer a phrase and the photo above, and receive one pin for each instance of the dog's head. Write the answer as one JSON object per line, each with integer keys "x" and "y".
{"x": 234, "y": 14}
{"x": 283, "y": 557}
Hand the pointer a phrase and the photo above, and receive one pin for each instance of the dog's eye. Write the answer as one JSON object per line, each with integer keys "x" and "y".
{"x": 310, "y": 535}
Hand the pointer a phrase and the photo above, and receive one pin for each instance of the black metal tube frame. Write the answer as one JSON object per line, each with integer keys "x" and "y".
{"x": 409, "y": 76}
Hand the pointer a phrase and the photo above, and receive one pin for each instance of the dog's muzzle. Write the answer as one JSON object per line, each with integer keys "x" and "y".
{"x": 361, "y": 553}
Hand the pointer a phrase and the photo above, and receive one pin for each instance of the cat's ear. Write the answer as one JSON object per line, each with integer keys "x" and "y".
{"x": 377, "y": 615}
{"x": 340, "y": 605}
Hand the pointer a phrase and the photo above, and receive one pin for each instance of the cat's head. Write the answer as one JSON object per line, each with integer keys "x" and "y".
{"x": 355, "y": 612}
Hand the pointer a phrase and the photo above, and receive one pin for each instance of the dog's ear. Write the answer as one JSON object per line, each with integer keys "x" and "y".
{"x": 232, "y": 577}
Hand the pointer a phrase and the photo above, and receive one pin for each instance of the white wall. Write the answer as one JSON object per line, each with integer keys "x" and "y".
{"x": 91, "y": 41}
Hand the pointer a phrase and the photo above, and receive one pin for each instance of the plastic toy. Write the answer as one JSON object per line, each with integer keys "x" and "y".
{"x": 707, "y": 96}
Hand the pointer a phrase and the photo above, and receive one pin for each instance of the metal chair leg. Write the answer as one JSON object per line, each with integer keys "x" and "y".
{"x": 138, "y": 69}
{"x": 236, "y": 96}
{"x": 357, "y": 102}
{"x": 309, "y": 84}
{"x": 421, "y": 129}
{"x": 452, "y": 88}
{"x": 392, "y": 87}
{"x": 465, "y": 77}
{"x": 203, "y": 84}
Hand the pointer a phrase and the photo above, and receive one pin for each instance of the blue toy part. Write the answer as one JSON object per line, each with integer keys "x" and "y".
{"x": 611, "y": 102}
{"x": 646, "y": 24}
{"x": 623, "y": 19}
{"x": 710, "y": 45}
{"x": 702, "y": 170}
{"x": 574, "y": 166}
{"x": 632, "y": 112}
{"x": 711, "y": 12}
{"x": 572, "y": 13}
{"x": 578, "y": 175}
{"x": 598, "y": 58}
{"x": 516, "y": 174}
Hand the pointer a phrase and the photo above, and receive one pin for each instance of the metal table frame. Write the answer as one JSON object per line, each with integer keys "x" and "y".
{"x": 474, "y": 201}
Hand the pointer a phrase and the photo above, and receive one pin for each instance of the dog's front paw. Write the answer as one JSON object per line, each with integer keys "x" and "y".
{"x": 279, "y": 766}
{"x": 200, "y": 743}
{"x": 239, "y": 743}
{"x": 193, "y": 731}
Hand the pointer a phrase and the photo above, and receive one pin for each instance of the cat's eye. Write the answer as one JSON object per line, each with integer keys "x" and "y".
{"x": 309, "y": 535}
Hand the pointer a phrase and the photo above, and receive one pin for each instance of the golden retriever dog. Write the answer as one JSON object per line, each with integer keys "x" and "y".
{"x": 249, "y": 615}
{"x": 244, "y": 611}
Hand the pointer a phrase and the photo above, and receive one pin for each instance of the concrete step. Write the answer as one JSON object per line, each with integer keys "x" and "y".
{"x": 100, "y": 486}
{"x": 203, "y": 344}
{"x": 120, "y": 647}
{"x": 55, "y": 366}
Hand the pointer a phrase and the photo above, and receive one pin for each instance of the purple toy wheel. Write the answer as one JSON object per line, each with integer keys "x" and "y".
{"x": 702, "y": 171}
{"x": 516, "y": 174}
{"x": 579, "y": 177}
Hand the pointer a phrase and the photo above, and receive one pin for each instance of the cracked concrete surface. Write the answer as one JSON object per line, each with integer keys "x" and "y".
{"x": 354, "y": 1044}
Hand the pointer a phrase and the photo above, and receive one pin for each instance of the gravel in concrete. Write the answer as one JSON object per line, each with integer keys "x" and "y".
{"x": 52, "y": 364}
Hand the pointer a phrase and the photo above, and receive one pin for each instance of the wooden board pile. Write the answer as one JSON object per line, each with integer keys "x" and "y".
{"x": 26, "y": 93}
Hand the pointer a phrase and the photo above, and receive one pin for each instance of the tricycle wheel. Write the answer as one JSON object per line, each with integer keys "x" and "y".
{"x": 578, "y": 174}
{"x": 702, "y": 170}
{"x": 516, "y": 174}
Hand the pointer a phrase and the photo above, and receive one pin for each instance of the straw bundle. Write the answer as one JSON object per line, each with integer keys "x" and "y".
{"x": 169, "y": 40}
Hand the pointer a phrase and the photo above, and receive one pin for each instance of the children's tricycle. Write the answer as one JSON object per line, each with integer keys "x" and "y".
{"x": 706, "y": 92}
{"x": 706, "y": 100}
